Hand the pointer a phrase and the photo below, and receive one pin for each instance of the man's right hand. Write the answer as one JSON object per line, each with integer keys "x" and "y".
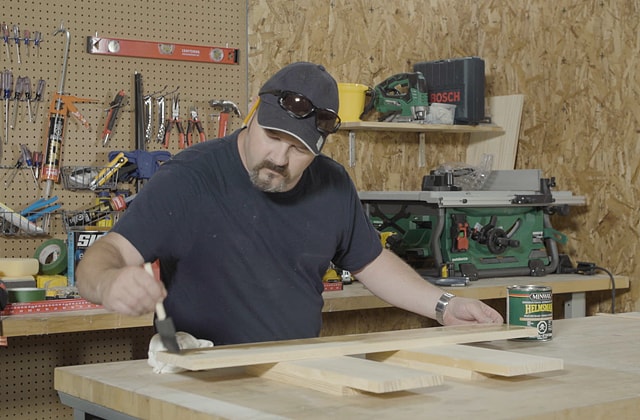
{"x": 111, "y": 273}
{"x": 132, "y": 291}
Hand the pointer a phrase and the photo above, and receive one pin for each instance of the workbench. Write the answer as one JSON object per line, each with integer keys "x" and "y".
{"x": 600, "y": 379}
{"x": 41, "y": 342}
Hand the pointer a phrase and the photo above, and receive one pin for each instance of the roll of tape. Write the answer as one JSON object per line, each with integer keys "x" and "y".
{"x": 52, "y": 256}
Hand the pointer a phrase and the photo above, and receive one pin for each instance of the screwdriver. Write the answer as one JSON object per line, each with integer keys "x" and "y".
{"x": 38, "y": 97}
{"x": 36, "y": 42}
{"x": 7, "y": 84}
{"x": 17, "y": 97}
{"x": 37, "y": 163}
{"x": 27, "y": 158}
{"x": 26, "y": 87}
{"x": 27, "y": 39}
{"x": 5, "y": 38}
{"x": 1, "y": 92}
{"x": 16, "y": 168}
{"x": 16, "y": 40}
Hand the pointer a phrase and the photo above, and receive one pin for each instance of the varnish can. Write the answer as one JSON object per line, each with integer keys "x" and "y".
{"x": 531, "y": 306}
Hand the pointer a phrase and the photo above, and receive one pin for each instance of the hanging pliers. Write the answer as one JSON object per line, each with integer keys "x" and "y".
{"x": 175, "y": 119}
{"x": 194, "y": 121}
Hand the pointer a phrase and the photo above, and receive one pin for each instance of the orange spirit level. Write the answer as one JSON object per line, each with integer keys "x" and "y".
{"x": 162, "y": 50}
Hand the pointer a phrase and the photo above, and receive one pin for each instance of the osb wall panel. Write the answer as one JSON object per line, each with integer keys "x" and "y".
{"x": 573, "y": 61}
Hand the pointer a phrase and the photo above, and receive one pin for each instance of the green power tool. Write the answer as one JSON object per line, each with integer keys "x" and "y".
{"x": 402, "y": 98}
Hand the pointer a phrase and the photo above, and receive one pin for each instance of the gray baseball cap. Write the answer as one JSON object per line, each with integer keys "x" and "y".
{"x": 291, "y": 87}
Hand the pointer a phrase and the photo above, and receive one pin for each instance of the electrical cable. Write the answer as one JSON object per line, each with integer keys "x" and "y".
{"x": 613, "y": 288}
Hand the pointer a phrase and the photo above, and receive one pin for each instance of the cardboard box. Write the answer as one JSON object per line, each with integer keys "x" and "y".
{"x": 78, "y": 240}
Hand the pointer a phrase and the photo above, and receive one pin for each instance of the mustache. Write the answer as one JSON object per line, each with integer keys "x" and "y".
{"x": 281, "y": 169}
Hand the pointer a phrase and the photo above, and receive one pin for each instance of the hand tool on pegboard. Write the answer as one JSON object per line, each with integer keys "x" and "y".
{"x": 139, "y": 118}
{"x": 26, "y": 85}
{"x": 7, "y": 87}
{"x": 161, "y": 50}
{"x": 109, "y": 171}
{"x": 16, "y": 41}
{"x": 27, "y": 40}
{"x": 5, "y": 37}
{"x": 161, "y": 103}
{"x": 226, "y": 107}
{"x": 148, "y": 113}
{"x": 18, "y": 91}
{"x": 36, "y": 42}
{"x": 59, "y": 107}
{"x": 38, "y": 97}
{"x": 175, "y": 120}
{"x": 194, "y": 123}
{"x": 112, "y": 115}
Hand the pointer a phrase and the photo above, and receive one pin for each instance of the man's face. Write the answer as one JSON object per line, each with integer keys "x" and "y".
{"x": 275, "y": 160}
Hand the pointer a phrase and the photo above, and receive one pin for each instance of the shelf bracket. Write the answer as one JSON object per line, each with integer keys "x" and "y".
{"x": 352, "y": 149}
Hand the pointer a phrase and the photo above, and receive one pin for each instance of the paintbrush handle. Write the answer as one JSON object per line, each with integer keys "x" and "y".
{"x": 160, "y": 312}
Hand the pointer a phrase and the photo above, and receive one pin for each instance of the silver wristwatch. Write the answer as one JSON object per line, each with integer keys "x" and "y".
{"x": 441, "y": 306}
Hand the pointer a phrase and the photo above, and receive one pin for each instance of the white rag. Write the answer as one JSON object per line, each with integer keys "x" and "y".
{"x": 185, "y": 341}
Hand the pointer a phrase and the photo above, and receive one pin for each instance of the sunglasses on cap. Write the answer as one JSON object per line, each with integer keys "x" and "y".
{"x": 299, "y": 106}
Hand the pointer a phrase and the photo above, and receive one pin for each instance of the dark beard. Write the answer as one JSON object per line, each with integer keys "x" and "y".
{"x": 265, "y": 185}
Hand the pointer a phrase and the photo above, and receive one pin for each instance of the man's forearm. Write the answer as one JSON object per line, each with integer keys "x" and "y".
{"x": 394, "y": 281}
{"x": 99, "y": 263}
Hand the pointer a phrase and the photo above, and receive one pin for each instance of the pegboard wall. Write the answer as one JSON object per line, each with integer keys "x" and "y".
{"x": 27, "y": 367}
{"x": 100, "y": 77}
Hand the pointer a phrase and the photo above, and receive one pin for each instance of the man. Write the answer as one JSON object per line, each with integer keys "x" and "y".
{"x": 245, "y": 227}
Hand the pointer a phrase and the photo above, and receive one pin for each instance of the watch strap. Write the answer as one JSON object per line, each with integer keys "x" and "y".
{"x": 441, "y": 306}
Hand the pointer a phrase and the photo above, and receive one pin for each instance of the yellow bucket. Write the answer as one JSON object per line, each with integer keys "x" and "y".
{"x": 351, "y": 96}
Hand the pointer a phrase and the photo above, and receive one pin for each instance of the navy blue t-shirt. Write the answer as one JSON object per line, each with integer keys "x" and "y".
{"x": 242, "y": 265}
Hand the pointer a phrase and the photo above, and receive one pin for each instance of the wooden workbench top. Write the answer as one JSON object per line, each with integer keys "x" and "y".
{"x": 354, "y": 297}
{"x": 600, "y": 379}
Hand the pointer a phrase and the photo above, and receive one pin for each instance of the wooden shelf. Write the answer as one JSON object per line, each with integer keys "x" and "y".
{"x": 499, "y": 139}
{"x": 353, "y": 297}
{"x": 418, "y": 128}
{"x": 69, "y": 321}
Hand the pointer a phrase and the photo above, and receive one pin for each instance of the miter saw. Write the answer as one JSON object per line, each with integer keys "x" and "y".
{"x": 501, "y": 230}
{"x": 401, "y": 98}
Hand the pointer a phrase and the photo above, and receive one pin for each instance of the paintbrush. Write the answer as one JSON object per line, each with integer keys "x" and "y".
{"x": 164, "y": 324}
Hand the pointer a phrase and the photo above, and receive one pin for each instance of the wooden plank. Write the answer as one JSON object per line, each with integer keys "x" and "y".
{"x": 312, "y": 348}
{"x": 399, "y": 358}
{"x": 488, "y": 361}
{"x": 344, "y": 375}
{"x": 505, "y": 112}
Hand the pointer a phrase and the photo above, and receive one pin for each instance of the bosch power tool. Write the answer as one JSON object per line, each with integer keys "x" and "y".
{"x": 402, "y": 98}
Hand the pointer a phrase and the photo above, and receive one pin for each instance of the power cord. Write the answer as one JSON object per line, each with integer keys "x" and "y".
{"x": 589, "y": 269}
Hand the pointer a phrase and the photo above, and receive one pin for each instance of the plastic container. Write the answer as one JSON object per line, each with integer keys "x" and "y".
{"x": 352, "y": 98}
